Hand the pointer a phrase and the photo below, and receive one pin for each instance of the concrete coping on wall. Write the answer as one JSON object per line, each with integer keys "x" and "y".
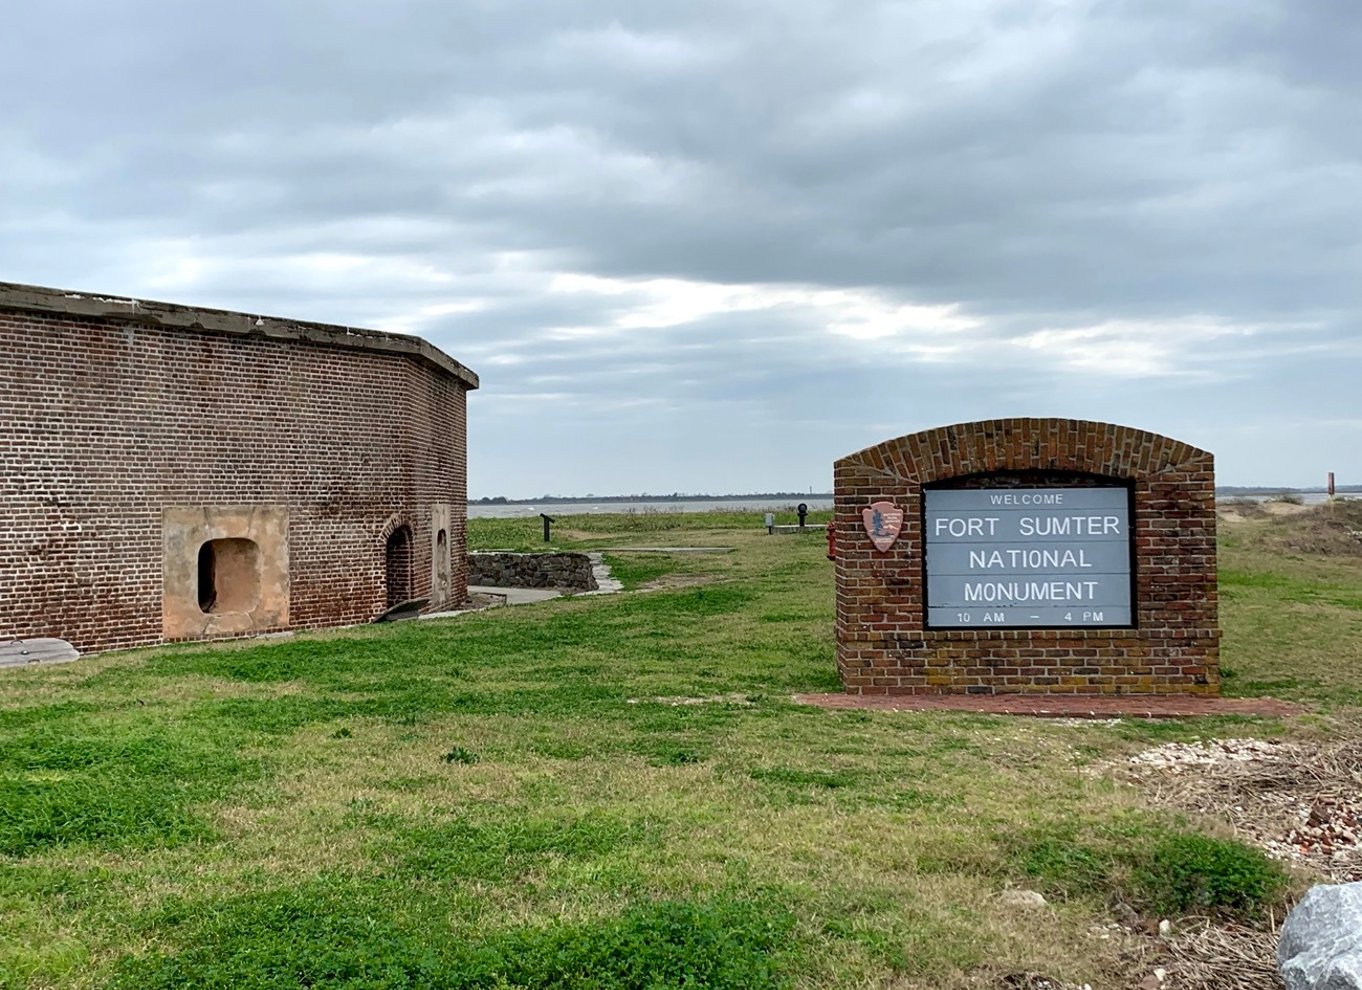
{"x": 38, "y": 299}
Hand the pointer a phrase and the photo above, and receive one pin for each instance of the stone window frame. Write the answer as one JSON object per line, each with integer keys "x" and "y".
{"x": 184, "y": 530}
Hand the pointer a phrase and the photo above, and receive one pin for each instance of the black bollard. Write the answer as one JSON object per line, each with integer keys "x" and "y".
{"x": 548, "y": 521}
{"x": 803, "y": 511}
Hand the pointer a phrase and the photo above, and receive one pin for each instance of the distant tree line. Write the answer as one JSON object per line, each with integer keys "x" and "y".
{"x": 1229, "y": 490}
{"x": 643, "y": 497}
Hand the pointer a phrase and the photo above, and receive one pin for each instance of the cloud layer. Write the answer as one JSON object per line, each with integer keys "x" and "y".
{"x": 713, "y": 246}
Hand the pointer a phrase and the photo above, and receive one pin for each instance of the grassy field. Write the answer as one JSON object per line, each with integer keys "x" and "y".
{"x": 613, "y": 792}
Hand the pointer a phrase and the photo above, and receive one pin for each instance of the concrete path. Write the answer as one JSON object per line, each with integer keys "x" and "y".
{"x": 600, "y": 570}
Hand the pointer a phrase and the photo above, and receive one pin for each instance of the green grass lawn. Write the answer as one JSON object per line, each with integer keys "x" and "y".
{"x": 608, "y": 792}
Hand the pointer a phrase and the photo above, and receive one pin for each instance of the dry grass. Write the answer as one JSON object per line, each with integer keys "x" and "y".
{"x": 1215, "y": 956}
{"x": 1328, "y": 530}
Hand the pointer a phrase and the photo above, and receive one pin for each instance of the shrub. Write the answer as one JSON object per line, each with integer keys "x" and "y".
{"x": 1155, "y": 871}
{"x": 1185, "y": 873}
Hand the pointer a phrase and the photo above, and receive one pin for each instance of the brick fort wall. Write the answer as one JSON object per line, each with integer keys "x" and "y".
{"x": 884, "y": 646}
{"x": 115, "y": 411}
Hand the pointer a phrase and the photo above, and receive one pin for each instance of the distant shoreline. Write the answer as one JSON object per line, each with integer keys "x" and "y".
{"x": 571, "y": 499}
{"x": 1227, "y": 491}
{"x": 1320, "y": 490}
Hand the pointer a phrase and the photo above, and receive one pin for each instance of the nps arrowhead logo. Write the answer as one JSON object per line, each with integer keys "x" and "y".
{"x": 883, "y": 521}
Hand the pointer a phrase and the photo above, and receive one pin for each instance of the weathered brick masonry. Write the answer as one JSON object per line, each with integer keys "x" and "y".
{"x": 883, "y": 646}
{"x": 134, "y": 432}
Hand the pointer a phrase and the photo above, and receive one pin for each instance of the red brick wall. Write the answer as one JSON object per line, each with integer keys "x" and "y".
{"x": 103, "y": 422}
{"x": 882, "y": 644}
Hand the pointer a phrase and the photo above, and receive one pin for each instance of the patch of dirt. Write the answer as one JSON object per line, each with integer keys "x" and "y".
{"x": 1275, "y": 508}
{"x": 714, "y": 699}
{"x": 1239, "y": 510}
{"x": 1035, "y": 981}
{"x": 669, "y": 581}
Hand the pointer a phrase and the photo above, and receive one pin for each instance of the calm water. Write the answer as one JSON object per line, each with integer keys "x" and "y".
{"x": 757, "y": 506}
{"x": 1308, "y": 498}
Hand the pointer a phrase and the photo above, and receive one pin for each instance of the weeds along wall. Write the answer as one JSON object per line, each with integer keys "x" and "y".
{"x": 885, "y": 645}
{"x": 171, "y": 473}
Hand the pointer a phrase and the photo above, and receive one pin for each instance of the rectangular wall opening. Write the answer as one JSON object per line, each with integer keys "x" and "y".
{"x": 229, "y": 576}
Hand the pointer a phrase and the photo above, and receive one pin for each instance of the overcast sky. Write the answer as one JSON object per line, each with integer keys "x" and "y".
{"x": 714, "y": 245}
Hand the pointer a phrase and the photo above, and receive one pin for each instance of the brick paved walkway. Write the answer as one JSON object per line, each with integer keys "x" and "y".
{"x": 1056, "y": 705}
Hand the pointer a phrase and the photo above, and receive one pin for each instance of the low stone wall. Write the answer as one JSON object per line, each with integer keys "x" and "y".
{"x": 571, "y": 571}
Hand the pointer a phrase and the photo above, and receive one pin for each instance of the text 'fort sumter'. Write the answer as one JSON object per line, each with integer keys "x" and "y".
{"x": 1028, "y": 557}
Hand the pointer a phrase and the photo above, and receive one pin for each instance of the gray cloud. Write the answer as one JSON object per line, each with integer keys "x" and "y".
{"x": 716, "y": 245}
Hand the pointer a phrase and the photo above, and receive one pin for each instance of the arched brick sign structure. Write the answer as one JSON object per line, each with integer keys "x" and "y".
{"x": 1027, "y": 556}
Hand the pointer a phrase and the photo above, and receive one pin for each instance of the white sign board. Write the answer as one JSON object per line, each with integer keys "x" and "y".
{"x": 1027, "y": 557}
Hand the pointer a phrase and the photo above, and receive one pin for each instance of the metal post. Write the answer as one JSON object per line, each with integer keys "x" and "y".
{"x": 548, "y": 521}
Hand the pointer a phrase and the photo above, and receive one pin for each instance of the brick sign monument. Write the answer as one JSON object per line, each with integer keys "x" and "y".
{"x": 1027, "y": 556}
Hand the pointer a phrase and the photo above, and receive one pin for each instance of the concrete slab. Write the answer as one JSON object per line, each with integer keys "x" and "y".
{"x": 517, "y": 596}
{"x": 26, "y": 652}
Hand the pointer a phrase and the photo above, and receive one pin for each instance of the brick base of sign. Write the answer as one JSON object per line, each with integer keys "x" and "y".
{"x": 1059, "y": 705}
{"x": 884, "y": 644}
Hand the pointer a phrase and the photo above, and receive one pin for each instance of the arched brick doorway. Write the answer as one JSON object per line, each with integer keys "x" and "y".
{"x": 397, "y": 557}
